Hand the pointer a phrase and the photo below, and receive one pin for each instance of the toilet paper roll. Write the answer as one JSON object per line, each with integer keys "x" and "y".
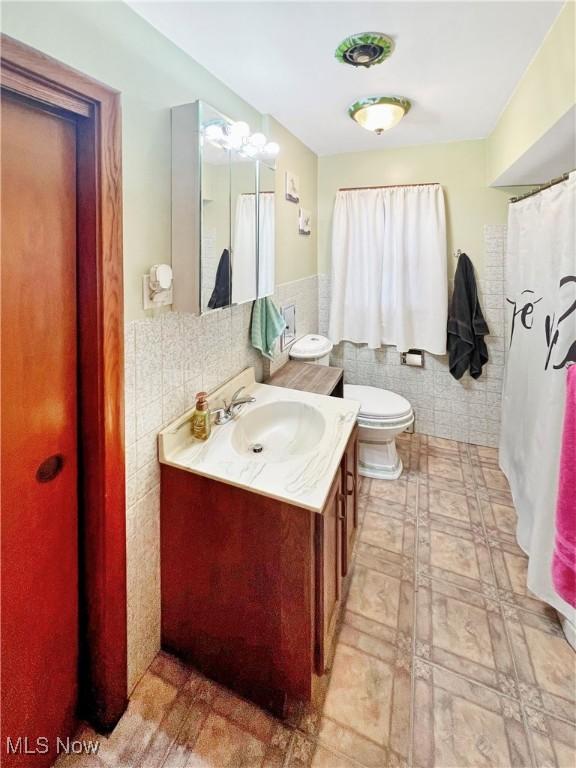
{"x": 414, "y": 358}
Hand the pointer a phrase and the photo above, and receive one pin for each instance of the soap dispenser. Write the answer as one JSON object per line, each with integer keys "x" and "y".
{"x": 201, "y": 418}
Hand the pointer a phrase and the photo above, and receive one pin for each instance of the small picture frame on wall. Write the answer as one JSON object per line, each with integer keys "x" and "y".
{"x": 304, "y": 221}
{"x": 292, "y": 187}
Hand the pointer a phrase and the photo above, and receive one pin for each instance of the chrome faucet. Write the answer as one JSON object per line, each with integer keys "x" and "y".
{"x": 225, "y": 414}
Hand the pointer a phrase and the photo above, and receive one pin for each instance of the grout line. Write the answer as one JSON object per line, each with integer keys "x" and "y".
{"x": 414, "y": 617}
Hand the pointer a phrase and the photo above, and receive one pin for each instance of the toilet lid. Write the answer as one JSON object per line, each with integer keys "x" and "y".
{"x": 378, "y": 403}
{"x": 310, "y": 347}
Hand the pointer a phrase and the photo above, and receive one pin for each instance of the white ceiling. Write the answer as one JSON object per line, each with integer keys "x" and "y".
{"x": 458, "y": 62}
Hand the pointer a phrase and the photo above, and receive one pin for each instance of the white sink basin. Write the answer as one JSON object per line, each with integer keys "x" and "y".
{"x": 278, "y": 431}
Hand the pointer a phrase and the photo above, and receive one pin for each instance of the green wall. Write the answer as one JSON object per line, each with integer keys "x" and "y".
{"x": 296, "y": 255}
{"x": 460, "y": 167}
{"x": 545, "y": 93}
{"x": 110, "y": 42}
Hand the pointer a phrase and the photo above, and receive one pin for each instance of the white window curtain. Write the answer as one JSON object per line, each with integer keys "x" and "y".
{"x": 389, "y": 268}
{"x": 244, "y": 250}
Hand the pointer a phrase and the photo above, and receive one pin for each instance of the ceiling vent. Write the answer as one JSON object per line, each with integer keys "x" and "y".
{"x": 364, "y": 49}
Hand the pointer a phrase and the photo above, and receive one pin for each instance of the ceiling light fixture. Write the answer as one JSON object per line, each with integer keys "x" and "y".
{"x": 364, "y": 49}
{"x": 379, "y": 113}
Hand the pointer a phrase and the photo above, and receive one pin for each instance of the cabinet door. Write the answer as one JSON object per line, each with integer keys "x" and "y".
{"x": 350, "y": 490}
{"x": 328, "y": 546}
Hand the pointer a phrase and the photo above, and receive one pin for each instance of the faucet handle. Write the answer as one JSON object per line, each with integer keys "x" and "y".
{"x": 235, "y": 395}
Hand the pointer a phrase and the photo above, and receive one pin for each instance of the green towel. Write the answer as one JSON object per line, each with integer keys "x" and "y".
{"x": 267, "y": 326}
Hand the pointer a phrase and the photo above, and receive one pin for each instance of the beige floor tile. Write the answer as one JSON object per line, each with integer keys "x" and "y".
{"x": 244, "y": 714}
{"x": 511, "y": 570}
{"x": 375, "y": 596}
{"x": 492, "y": 670}
{"x": 396, "y": 651}
{"x": 494, "y": 478}
{"x": 443, "y": 444}
{"x": 444, "y": 468}
{"x": 553, "y": 740}
{"x": 449, "y": 504}
{"x": 151, "y": 701}
{"x": 464, "y": 632}
{"x": 390, "y": 490}
{"x": 484, "y": 454}
{"x": 545, "y": 662}
{"x": 455, "y": 554}
{"x": 222, "y": 744}
{"x": 388, "y": 532}
{"x": 360, "y": 694}
{"x": 458, "y": 724}
{"x": 381, "y": 531}
{"x": 278, "y": 747}
{"x": 500, "y": 520}
{"x": 325, "y": 758}
{"x": 351, "y": 744}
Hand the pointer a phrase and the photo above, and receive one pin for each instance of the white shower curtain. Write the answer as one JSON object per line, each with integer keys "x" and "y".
{"x": 540, "y": 284}
{"x": 389, "y": 281}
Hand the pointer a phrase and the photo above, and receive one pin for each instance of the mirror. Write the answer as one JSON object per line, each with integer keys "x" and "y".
{"x": 243, "y": 220}
{"x": 266, "y": 228}
{"x": 215, "y": 263}
{"x": 223, "y": 210}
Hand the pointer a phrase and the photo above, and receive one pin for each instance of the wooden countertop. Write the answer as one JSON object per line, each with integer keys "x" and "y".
{"x": 308, "y": 377}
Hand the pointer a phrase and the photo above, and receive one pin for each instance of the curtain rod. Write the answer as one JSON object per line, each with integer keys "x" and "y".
{"x": 542, "y": 187}
{"x": 391, "y": 186}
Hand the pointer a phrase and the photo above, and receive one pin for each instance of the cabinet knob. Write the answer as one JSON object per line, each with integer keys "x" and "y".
{"x": 49, "y": 468}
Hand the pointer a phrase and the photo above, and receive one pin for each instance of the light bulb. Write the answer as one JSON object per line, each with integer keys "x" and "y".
{"x": 239, "y": 129}
{"x": 258, "y": 140}
{"x": 249, "y": 150}
{"x": 214, "y": 133}
{"x": 234, "y": 142}
{"x": 271, "y": 149}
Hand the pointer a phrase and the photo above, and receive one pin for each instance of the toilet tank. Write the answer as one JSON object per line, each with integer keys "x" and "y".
{"x": 312, "y": 348}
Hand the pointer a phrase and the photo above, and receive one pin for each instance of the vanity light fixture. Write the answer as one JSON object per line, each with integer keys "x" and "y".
{"x": 237, "y": 136}
{"x": 379, "y": 113}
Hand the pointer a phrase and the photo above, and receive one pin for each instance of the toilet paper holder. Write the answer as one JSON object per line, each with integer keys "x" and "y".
{"x": 413, "y": 357}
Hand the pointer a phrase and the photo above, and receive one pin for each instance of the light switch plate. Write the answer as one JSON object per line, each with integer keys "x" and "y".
{"x": 289, "y": 335}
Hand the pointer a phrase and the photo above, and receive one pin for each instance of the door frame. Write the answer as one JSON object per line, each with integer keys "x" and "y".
{"x": 47, "y": 83}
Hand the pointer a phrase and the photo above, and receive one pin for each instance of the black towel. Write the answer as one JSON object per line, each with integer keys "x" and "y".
{"x": 466, "y": 324}
{"x": 222, "y": 287}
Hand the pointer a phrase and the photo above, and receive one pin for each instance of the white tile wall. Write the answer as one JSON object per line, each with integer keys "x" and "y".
{"x": 466, "y": 410}
{"x": 168, "y": 359}
{"x": 304, "y": 294}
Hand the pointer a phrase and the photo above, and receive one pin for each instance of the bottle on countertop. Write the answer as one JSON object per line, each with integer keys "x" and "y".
{"x": 201, "y": 418}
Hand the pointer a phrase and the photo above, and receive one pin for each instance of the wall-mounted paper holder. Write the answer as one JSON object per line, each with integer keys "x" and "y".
{"x": 413, "y": 357}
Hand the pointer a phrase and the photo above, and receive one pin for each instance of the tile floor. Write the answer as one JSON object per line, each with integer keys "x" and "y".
{"x": 444, "y": 658}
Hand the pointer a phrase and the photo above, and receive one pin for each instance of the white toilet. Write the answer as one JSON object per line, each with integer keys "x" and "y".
{"x": 383, "y": 414}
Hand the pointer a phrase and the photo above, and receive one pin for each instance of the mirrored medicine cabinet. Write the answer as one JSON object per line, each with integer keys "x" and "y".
{"x": 223, "y": 211}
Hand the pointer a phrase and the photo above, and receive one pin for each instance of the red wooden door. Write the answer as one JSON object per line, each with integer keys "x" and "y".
{"x": 39, "y": 493}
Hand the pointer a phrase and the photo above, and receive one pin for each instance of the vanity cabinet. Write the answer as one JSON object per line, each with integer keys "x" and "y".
{"x": 252, "y": 586}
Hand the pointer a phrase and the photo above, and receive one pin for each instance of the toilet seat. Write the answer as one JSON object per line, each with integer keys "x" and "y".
{"x": 379, "y": 407}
